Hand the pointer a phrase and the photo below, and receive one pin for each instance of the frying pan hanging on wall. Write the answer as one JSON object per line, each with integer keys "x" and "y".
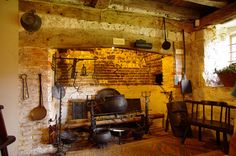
{"x": 39, "y": 112}
{"x": 30, "y": 21}
{"x": 166, "y": 44}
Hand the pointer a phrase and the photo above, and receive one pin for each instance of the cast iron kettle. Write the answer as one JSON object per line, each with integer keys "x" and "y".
{"x": 30, "y": 21}
{"x": 166, "y": 44}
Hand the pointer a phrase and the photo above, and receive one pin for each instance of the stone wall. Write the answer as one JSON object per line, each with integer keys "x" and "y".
{"x": 206, "y": 55}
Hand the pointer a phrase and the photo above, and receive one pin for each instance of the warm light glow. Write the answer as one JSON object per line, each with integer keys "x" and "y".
{"x": 228, "y": 24}
{"x": 216, "y": 50}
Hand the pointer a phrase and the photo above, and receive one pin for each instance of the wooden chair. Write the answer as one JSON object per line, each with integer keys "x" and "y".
{"x": 5, "y": 140}
{"x": 223, "y": 123}
{"x": 178, "y": 116}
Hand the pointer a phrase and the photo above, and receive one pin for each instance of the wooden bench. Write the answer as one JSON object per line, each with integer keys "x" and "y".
{"x": 219, "y": 119}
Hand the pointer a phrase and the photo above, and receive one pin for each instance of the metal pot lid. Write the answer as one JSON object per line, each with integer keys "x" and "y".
{"x": 58, "y": 91}
{"x": 30, "y": 21}
{"x": 106, "y": 92}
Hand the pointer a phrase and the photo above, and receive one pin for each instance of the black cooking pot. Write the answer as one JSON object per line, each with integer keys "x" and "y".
{"x": 102, "y": 135}
{"x": 114, "y": 104}
{"x": 68, "y": 137}
{"x": 30, "y": 21}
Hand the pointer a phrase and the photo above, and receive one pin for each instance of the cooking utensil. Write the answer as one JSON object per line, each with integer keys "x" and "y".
{"x": 25, "y": 92}
{"x": 166, "y": 44}
{"x": 110, "y": 100}
{"x": 186, "y": 86}
{"x": 40, "y": 111}
{"x": 68, "y": 137}
{"x": 102, "y": 135}
{"x": 30, "y": 21}
{"x": 114, "y": 104}
{"x": 101, "y": 94}
{"x": 58, "y": 91}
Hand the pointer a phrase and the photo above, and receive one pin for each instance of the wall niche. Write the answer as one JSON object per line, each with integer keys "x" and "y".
{"x": 105, "y": 66}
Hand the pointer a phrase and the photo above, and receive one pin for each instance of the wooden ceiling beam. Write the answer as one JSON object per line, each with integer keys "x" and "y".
{"x": 220, "y": 16}
{"x": 155, "y": 8}
{"x": 102, "y": 4}
{"x": 211, "y": 3}
{"x": 108, "y": 15}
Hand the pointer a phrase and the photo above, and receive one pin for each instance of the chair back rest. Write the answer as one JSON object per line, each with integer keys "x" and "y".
{"x": 211, "y": 110}
{"x": 177, "y": 114}
{"x": 3, "y": 131}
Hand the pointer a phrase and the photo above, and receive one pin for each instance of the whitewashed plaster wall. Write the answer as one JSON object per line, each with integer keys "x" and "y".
{"x": 9, "y": 69}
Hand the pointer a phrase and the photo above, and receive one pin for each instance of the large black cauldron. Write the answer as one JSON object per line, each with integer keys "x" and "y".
{"x": 110, "y": 101}
{"x": 114, "y": 104}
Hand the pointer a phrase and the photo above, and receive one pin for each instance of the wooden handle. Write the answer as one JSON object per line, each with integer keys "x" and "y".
{"x": 184, "y": 55}
{"x": 164, "y": 22}
{"x": 40, "y": 90}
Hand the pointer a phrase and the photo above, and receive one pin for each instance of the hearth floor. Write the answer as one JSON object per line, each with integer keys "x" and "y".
{"x": 157, "y": 143}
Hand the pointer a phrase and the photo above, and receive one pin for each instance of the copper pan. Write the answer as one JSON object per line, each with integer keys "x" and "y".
{"x": 39, "y": 112}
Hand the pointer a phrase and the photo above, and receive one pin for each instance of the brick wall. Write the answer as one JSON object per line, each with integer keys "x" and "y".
{"x": 111, "y": 67}
{"x": 33, "y": 134}
{"x": 33, "y": 137}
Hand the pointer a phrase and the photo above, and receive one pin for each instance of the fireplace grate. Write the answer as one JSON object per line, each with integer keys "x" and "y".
{"x": 79, "y": 110}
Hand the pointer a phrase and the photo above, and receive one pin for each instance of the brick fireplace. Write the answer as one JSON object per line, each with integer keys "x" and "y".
{"x": 130, "y": 81}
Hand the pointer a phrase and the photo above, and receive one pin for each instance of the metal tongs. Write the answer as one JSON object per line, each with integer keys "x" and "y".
{"x": 25, "y": 92}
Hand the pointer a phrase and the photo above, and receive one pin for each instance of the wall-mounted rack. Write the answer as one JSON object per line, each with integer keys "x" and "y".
{"x": 72, "y": 66}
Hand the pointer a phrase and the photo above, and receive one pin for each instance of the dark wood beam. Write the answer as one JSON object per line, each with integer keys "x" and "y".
{"x": 69, "y": 38}
{"x": 102, "y": 4}
{"x": 155, "y": 8}
{"x": 211, "y": 3}
{"x": 108, "y": 15}
{"x": 145, "y": 7}
{"x": 220, "y": 16}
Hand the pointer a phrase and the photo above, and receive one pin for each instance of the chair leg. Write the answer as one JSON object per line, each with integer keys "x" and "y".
{"x": 218, "y": 137}
{"x": 163, "y": 122}
{"x": 225, "y": 143}
{"x": 185, "y": 134}
{"x": 4, "y": 151}
{"x": 167, "y": 124}
{"x": 200, "y": 133}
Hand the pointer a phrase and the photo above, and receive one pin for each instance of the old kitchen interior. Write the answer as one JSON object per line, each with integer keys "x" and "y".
{"x": 94, "y": 74}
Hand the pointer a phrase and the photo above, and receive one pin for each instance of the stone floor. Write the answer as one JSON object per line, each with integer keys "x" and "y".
{"x": 157, "y": 143}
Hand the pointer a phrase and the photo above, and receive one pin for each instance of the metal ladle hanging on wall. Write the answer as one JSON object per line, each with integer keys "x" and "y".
{"x": 166, "y": 44}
